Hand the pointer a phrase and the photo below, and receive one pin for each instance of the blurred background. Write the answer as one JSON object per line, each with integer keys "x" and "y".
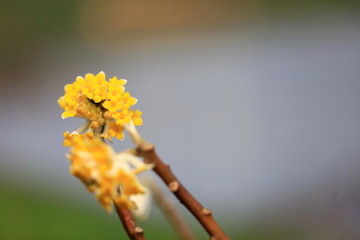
{"x": 254, "y": 104}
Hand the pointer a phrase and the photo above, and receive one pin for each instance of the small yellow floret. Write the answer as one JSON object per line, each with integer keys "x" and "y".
{"x": 116, "y": 130}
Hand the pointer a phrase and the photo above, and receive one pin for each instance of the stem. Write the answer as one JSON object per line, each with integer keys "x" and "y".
{"x": 83, "y": 127}
{"x": 134, "y": 232}
{"x": 203, "y": 215}
{"x": 171, "y": 212}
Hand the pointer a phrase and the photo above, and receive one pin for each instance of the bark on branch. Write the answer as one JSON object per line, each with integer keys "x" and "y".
{"x": 134, "y": 232}
{"x": 203, "y": 215}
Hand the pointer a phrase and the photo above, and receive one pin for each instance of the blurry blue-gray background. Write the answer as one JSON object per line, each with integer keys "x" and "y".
{"x": 254, "y": 104}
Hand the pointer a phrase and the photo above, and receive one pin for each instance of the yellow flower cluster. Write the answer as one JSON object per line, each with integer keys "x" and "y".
{"x": 102, "y": 102}
{"x": 102, "y": 171}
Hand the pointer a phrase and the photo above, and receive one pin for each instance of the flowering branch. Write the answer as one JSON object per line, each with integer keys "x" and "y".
{"x": 112, "y": 176}
{"x": 134, "y": 232}
{"x": 203, "y": 215}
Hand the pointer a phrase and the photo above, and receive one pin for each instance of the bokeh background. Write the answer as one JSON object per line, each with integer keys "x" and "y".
{"x": 254, "y": 104}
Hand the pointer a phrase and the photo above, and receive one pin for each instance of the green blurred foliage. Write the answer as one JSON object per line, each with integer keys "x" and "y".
{"x": 38, "y": 214}
{"x": 27, "y": 215}
{"x": 23, "y": 216}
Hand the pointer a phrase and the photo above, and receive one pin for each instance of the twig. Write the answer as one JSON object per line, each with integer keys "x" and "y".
{"x": 171, "y": 212}
{"x": 134, "y": 232}
{"x": 203, "y": 215}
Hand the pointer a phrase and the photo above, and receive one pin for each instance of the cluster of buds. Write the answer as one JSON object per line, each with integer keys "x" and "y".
{"x": 105, "y": 105}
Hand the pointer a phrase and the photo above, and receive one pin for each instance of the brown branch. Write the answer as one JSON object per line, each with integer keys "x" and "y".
{"x": 134, "y": 232}
{"x": 203, "y": 215}
{"x": 171, "y": 212}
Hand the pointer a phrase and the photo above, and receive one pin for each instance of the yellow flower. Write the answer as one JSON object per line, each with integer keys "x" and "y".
{"x": 101, "y": 102}
{"x": 110, "y": 176}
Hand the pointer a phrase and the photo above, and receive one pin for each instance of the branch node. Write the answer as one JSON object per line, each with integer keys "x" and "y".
{"x": 206, "y": 211}
{"x": 139, "y": 230}
{"x": 174, "y": 186}
{"x": 148, "y": 161}
{"x": 147, "y": 147}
